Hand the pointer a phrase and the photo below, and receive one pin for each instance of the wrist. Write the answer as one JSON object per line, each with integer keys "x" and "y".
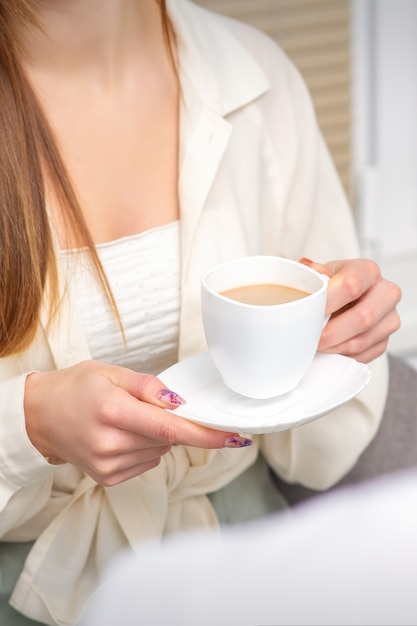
{"x": 34, "y": 412}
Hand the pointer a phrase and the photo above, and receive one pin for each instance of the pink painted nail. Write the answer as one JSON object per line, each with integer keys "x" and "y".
{"x": 170, "y": 397}
{"x": 237, "y": 442}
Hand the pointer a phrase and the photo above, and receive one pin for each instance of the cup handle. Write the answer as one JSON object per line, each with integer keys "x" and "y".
{"x": 326, "y": 319}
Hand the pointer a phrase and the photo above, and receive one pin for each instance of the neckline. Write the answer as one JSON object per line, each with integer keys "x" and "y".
{"x": 120, "y": 241}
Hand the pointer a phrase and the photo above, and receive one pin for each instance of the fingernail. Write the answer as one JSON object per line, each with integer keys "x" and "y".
{"x": 237, "y": 442}
{"x": 306, "y": 261}
{"x": 170, "y": 397}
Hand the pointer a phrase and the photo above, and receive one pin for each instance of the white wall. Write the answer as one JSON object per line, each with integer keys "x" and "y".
{"x": 385, "y": 145}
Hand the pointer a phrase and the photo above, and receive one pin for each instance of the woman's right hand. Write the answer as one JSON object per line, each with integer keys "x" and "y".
{"x": 109, "y": 421}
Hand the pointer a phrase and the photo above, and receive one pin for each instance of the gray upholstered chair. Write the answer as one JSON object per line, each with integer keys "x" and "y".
{"x": 395, "y": 445}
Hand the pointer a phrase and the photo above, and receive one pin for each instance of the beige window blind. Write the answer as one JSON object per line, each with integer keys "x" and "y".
{"x": 316, "y": 36}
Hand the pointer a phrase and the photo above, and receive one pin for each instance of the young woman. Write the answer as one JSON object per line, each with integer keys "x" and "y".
{"x": 141, "y": 144}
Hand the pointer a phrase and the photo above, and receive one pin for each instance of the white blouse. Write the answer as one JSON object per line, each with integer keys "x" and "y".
{"x": 144, "y": 274}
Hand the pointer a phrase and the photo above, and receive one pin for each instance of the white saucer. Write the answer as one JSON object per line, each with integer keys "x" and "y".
{"x": 330, "y": 381}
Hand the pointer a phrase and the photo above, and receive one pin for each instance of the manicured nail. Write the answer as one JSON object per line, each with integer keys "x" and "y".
{"x": 237, "y": 442}
{"x": 170, "y": 397}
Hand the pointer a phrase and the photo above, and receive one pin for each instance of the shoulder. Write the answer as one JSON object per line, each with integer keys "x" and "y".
{"x": 229, "y": 44}
{"x": 213, "y": 30}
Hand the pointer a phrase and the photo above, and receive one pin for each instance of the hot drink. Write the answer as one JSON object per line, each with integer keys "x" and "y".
{"x": 264, "y": 294}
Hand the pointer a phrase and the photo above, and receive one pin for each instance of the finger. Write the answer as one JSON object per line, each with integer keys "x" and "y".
{"x": 359, "y": 278}
{"x": 373, "y": 312}
{"x": 367, "y": 344}
{"x": 368, "y": 355}
{"x": 372, "y": 353}
{"x": 348, "y": 280}
{"x": 120, "y": 409}
{"x": 319, "y": 267}
{"x": 139, "y": 393}
{"x": 144, "y": 387}
{"x": 105, "y": 466}
{"x": 168, "y": 427}
{"x": 350, "y": 284}
{"x": 117, "y": 442}
{"x": 127, "y": 474}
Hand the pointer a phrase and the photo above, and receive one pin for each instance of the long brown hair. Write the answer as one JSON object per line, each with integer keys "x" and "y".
{"x": 28, "y": 151}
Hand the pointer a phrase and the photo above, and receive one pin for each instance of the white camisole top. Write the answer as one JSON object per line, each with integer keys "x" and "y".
{"x": 144, "y": 274}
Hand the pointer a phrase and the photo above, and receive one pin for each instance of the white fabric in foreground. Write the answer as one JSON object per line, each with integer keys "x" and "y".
{"x": 346, "y": 558}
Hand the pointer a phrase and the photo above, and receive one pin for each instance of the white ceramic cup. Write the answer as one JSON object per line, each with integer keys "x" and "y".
{"x": 263, "y": 351}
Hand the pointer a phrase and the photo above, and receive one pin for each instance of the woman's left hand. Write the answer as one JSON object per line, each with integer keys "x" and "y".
{"x": 362, "y": 305}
